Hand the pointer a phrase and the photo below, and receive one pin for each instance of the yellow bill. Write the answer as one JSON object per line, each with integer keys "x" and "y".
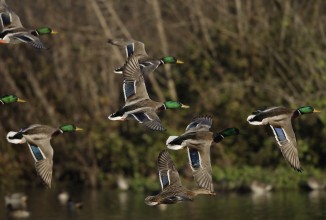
{"x": 185, "y": 106}
{"x": 79, "y": 129}
{"x": 21, "y": 100}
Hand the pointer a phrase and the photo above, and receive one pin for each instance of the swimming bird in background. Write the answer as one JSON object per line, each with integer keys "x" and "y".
{"x": 73, "y": 205}
{"x": 260, "y": 187}
{"x": 280, "y": 120}
{"x": 63, "y": 197}
{"x": 16, "y": 200}
{"x": 16, "y": 204}
{"x": 172, "y": 189}
{"x": 146, "y": 63}
{"x": 13, "y": 32}
{"x": 315, "y": 183}
{"x": 7, "y": 99}
{"x": 198, "y": 139}
{"x": 17, "y": 213}
{"x": 138, "y": 105}
{"x": 38, "y": 139}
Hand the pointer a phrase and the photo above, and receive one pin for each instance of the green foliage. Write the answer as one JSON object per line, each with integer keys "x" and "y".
{"x": 283, "y": 177}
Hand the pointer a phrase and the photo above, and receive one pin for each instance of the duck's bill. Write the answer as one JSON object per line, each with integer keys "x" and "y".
{"x": 2, "y": 42}
{"x": 185, "y": 106}
{"x": 316, "y": 110}
{"x": 179, "y": 62}
{"x": 79, "y": 129}
{"x": 21, "y": 100}
{"x": 54, "y": 32}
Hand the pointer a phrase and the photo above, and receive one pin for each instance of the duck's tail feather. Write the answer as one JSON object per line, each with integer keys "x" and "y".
{"x": 173, "y": 146}
{"x": 251, "y": 120}
{"x": 15, "y": 137}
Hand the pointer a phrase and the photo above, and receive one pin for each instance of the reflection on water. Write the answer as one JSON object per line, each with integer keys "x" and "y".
{"x": 106, "y": 204}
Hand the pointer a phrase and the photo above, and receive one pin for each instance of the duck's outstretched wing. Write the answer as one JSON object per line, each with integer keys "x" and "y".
{"x": 134, "y": 87}
{"x": 200, "y": 123}
{"x": 30, "y": 39}
{"x": 42, "y": 153}
{"x": 8, "y": 18}
{"x": 200, "y": 164}
{"x": 168, "y": 174}
{"x": 150, "y": 119}
{"x": 131, "y": 46}
{"x": 286, "y": 140}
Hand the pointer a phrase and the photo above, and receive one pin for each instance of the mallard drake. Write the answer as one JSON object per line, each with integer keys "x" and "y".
{"x": 280, "y": 120}
{"x": 260, "y": 187}
{"x": 198, "y": 139}
{"x": 38, "y": 139}
{"x": 7, "y": 99}
{"x": 13, "y": 32}
{"x": 138, "y": 105}
{"x": 147, "y": 64}
{"x": 172, "y": 189}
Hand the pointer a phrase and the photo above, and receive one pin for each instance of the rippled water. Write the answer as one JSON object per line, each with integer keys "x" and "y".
{"x": 98, "y": 205}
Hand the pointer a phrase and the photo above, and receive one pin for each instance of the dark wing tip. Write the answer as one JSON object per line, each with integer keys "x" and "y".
{"x": 202, "y": 120}
{"x": 206, "y": 117}
{"x": 110, "y": 41}
{"x": 256, "y": 112}
{"x": 163, "y": 153}
{"x": 298, "y": 169}
{"x": 164, "y": 161}
{"x": 154, "y": 125}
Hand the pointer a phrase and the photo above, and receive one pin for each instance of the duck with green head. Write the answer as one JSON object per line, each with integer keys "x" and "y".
{"x": 198, "y": 140}
{"x": 146, "y": 63}
{"x": 138, "y": 105}
{"x": 172, "y": 189}
{"x": 7, "y": 99}
{"x": 38, "y": 139}
{"x": 13, "y": 32}
{"x": 280, "y": 120}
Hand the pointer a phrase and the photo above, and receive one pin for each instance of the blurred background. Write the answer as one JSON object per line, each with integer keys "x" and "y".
{"x": 239, "y": 56}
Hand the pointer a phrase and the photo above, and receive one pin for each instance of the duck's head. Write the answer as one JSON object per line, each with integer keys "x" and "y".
{"x": 7, "y": 99}
{"x": 170, "y": 60}
{"x": 307, "y": 110}
{"x": 69, "y": 128}
{"x": 174, "y": 105}
{"x": 225, "y": 133}
{"x": 43, "y": 31}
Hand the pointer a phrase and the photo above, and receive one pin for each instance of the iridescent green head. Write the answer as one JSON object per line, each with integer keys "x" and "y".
{"x": 307, "y": 110}
{"x": 43, "y": 31}
{"x": 225, "y": 133}
{"x": 69, "y": 128}
{"x": 174, "y": 105}
{"x": 170, "y": 60}
{"x": 7, "y": 99}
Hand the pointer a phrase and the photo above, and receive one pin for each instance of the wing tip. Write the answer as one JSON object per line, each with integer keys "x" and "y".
{"x": 163, "y": 157}
{"x": 205, "y": 116}
{"x": 298, "y": 169}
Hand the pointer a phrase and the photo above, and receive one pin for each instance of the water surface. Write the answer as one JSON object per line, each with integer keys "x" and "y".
{"x": 105, "y": 204}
